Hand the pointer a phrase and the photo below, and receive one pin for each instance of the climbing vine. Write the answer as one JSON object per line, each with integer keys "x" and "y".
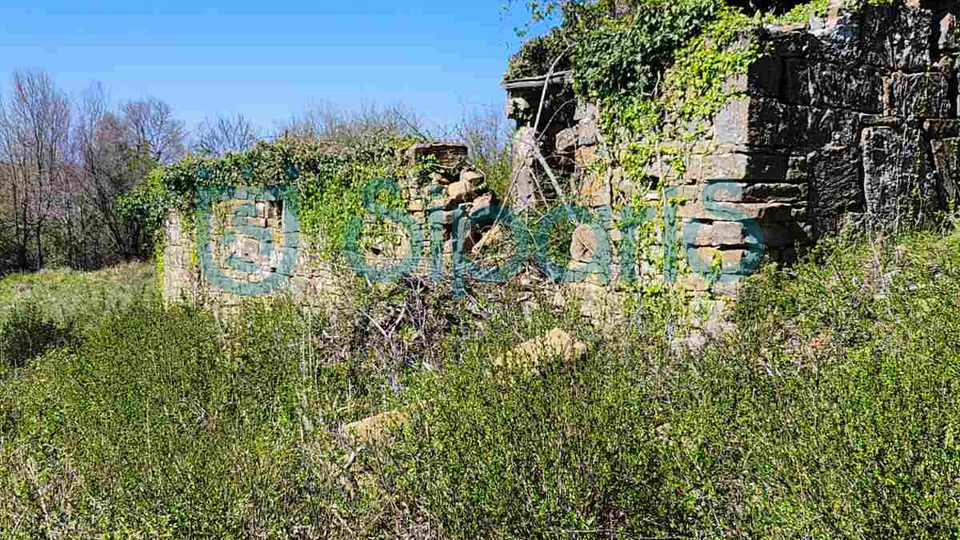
{"x": 329, "y": 181}
{"x": 660, "y": 71}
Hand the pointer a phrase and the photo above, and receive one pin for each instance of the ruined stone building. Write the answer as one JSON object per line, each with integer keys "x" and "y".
{"x": 851, "y": 119}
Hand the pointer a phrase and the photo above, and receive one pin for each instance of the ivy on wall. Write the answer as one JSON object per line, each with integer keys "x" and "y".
{"x": 330, "y": 180}
{"x": 660, "y": 70}
{"x": 654, "y": 66}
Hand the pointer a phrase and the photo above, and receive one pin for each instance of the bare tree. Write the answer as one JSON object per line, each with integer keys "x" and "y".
{"x": 63, "y": 166}
{"x": 114, "y": 154}
{"x": 35, "y": 127}
{"x": 221, "y": 135}
{"x": 13, "y": 175}
{"x": 485, "y": 131}
{"x": 327, "y": 123}
{"x": 155, "y": 130}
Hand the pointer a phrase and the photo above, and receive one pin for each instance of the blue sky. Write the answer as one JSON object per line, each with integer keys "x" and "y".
{"x": 268, "y": 60}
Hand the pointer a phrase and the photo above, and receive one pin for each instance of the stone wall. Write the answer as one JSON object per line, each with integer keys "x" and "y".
{"x": 318, "y": 277}
{"x": 848, "y": 120}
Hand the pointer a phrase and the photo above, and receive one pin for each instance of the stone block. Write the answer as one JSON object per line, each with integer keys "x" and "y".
{"x": 704, "y": 235}
{"x": 690, "y": 192}
{"x": 173, "y": 229}
{"x": 728, "y": 290}
{"x": 459, "y": 193}
{"x": 830, "y": 85}
{"x": 946, "y": 161}
{"x": 586, "y": 111}
{"x": 531, "y": 355}
{"x": 925, "y": 95}
{"x": 897, "y": 36}
{"x": 442, "y": 217}
{"x": 446, "y": 154}
{"x": 756, "y": 192}
{"x": 797, "y": 171}
{"x": 518, "y": 108}
{"x": 837, "y": 127}
{"x": 474, "y": 176}
{"x": 594, "y": 191}
{"x": 708, "y": 257}
{"x": 376, "y": 428}
{"x": 752, "y": 167}
{"x": 836, "y": 40}
{"x": 276, "y": 259}
{"x": 835, "y": 184}
{"x": 735, "y": 211}
{"x": 416, "y": 205}
{"x": 948, "y": 40}
{"x": 173, "y": 257}
{"x": 248, "y": 248}
{"x": 895, "y": 181}
{"x": 762, "y": 122}
{"x": 732, "y": 123}
{"x": 693, "y": 283}
{"x": 728, "y": 233}
{"x": 586, "y": 156}
{"x": 566, "y": 141}
{"x": 587, "y": 132}
{"x": 524, "y": 181}
{"x": 763, "y": 77}
{"x": 730, "y": 258}
{"x": 583, "y": 244}
{"x": 788, "y": 41}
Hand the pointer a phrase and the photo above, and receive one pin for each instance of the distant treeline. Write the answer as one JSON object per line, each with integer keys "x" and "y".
{"x": 67, "y": 161}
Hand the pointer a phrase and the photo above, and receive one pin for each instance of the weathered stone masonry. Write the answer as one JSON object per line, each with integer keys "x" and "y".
{"x": 315, "y": 279}
{"x": 851, "y": 119}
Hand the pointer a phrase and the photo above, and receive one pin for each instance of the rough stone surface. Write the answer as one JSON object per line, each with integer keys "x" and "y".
{"x": 948, "y": 39}
{"x": 377, "y": 427}
{"x": 314, "y": 280}
{"x": 583, "y": 244}
{"x": 925, "y": 95}
{"x": 446, "y": 154}
{"x": 896, "y": 185}
{"x": 946, "y": 160}
{"x": 849, "y": 119}
{"x": 524, "y": 178}
{"x": 531, "y": 355}
{"x": 830, "y": 85}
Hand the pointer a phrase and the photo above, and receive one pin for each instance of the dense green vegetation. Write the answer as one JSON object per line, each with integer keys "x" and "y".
{"x": 831, "y": 411}
{"x": 43, "y": 310}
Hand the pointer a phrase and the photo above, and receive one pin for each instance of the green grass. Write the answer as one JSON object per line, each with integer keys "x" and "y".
{"x": 50, "y": 309}
{"x": 831, "y": 412}
{"x": 66, "y": 295}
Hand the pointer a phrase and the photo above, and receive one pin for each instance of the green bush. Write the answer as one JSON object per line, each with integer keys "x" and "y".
{"x": 26, "y": 334}
{"x": 831, "y": 411}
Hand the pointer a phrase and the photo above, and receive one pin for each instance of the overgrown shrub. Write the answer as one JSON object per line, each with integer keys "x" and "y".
{"x": 831, "y": 411}
{"x": 26, "y": 333}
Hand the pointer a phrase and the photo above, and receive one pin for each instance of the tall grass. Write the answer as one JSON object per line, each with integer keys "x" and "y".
{"x": 831, "y": 412}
